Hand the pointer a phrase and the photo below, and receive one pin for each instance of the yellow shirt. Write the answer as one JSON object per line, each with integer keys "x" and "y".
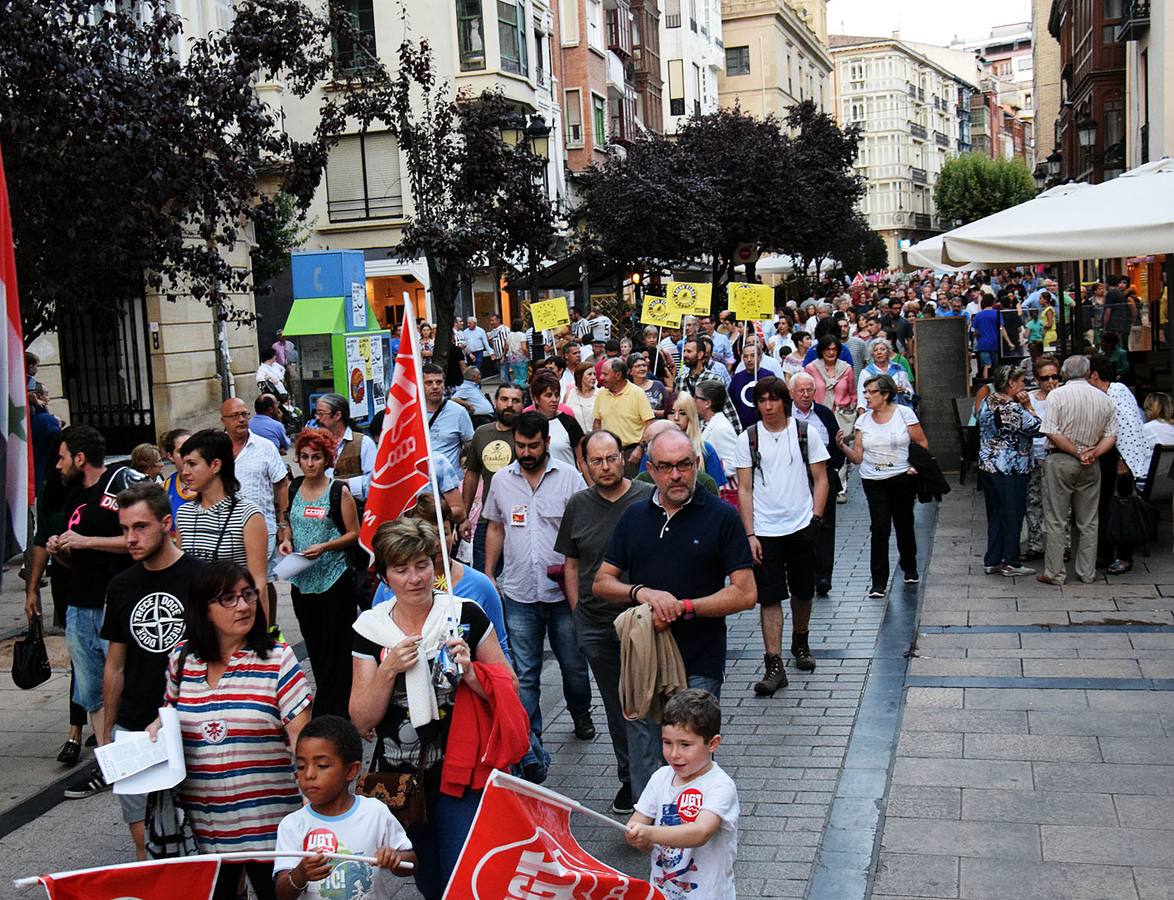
{"x": 625, "y": 413}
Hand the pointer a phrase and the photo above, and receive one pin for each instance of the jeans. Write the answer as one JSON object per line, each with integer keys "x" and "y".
{"x": 890, "y": 507}
{"x": 1006, "y": 505}
{"x": 519, "y": 370}
{"x": 529, "y": 624}
{"x": 326, "y": 621}
{"x": 438, "y": 844}
{"x": 479, "y": 548}
{"x": 87, "y": 652}
{"x": 644, "y": 749}
{"x": 602, "y": 649}
{"x": 825, "y": 536}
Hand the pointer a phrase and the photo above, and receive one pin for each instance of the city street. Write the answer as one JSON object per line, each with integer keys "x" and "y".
{"x": 1020, "y": 747}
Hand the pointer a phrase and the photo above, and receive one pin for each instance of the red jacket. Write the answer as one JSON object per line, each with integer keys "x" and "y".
{"x": 485, "y": 734}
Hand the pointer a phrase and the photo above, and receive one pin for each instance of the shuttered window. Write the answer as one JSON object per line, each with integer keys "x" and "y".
{"x": 363, "y": 178}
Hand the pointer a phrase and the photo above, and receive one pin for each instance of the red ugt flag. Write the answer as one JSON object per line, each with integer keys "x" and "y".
{"x": 192, "y": 879}
{"x": 15, "y": 471}
{"x": 401, "y": 461}
{"x": 521, "y": 848}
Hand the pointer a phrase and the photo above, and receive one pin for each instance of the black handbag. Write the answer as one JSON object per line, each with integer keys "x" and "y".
{"x": 1132, "y": 521}
{"x": 30, "y": 659}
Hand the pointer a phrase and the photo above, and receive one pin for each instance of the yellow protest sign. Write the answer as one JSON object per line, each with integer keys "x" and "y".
{"x": 751, "y": 302}
{"x": 659, "y": 312}
{"x": 547, "y": 314}
{"x": 690, "y": 298}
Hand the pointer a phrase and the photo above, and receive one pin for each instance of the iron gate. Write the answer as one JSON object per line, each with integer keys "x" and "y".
{"x": 106, "y": 372}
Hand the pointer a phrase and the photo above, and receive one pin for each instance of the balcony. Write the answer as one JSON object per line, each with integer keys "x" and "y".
{"x": 922, "y": 220}
{"x": 919, "y": 175}
{"x": 616, "y": 76}
{"x": 672, "y": 21}
{"x": 918, "y": 131}
{"x": 941, "y": 139}
{"x": 1135, "y": 21}
{"x": 619, "y": 31}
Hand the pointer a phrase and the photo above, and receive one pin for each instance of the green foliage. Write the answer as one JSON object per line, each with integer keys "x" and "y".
{"x": 858, "y": 248}
{"x": 973, "y": 186}
{"x": 281, "y": 231}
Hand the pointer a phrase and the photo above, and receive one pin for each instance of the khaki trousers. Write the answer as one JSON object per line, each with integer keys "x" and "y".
{"x": 1069, "y": 487}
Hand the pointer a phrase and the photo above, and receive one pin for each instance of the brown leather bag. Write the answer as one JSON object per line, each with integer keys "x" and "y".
{"x": 400, "y": 792}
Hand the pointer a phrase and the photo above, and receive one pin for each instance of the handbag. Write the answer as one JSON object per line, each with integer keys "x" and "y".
{"x": 167, "y": 828}
{"x": 401, "y": 792}
{"x": 1132, "y": 521}
{"x": 30, "y": 658}
{"x": 728, "y": 492}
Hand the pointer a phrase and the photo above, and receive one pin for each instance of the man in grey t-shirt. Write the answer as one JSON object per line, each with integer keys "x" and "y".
{"x": 587, "y": 526}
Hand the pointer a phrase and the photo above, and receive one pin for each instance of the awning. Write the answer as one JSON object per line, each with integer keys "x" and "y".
{"x": 319, "y": 315}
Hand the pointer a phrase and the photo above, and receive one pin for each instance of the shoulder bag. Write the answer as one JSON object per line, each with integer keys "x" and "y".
{"x": 30, "y": 658}
{"x": 1132, "y": 521}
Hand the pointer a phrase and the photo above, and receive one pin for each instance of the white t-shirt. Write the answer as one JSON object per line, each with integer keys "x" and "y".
{"x": 719, "y": 432}
{"x": 886, "y": 447}
{"x": 1159, "y": 433}
{"x": 695, "y": 872}
{"x": 560, "y": 444}
{"x": 782, "y": 495}
{"x": 360, "y": 831}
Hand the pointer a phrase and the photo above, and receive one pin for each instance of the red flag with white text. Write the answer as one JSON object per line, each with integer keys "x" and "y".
{"x": 401, "y": 461}
{"x": 166, "y": 879}
{"x": 15, "y": 470}
{"x": 521, "y": 847}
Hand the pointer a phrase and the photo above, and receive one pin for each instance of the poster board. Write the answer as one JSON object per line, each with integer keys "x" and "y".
{"x": 751, "y": 302}
{"x": 657, "y": 311}
{"x": 550, "y": 314}
{"x": 690, "y": 298}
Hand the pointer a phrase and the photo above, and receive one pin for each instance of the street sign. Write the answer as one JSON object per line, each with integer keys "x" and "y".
{"x": 547, "y": 314}
{"x": 659, "y": 312}
{"x": 690, "y": 298}
{"x": 751, "y": 302}
{"x": 746, "y": 254}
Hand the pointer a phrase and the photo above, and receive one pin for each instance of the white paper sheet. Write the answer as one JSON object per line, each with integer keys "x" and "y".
{"x": 166, "y": 774}
{"x": 134, "y": 752}
{"x": 291, "y": 565}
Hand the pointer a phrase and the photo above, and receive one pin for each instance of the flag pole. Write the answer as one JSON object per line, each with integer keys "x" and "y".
{"x": 410, "y": 322}
{"x": 526, "y": 788}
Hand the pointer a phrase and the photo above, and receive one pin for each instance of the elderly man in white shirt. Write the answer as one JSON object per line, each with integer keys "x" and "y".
{"x": 710, "y": 400}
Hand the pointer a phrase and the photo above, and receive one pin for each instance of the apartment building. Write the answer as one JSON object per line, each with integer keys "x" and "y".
{"x": 913, "y": 112}
{"x": 1007, "y": 62}
{"x": 693, "y": 58}
{"x": 1146, "y": 30}
{"x": 775, "y": 56}
{"x": 1045, "y": 75}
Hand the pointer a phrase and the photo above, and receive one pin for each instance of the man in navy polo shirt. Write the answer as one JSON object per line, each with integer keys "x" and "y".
{"x": 678, "y": 548}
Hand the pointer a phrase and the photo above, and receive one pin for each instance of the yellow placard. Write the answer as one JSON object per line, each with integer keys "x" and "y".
{"x": 547, "y": 314}
{"x": 751, "y": 302}
{"x": 690, "y": 298}
{"x": 659, "y": 312}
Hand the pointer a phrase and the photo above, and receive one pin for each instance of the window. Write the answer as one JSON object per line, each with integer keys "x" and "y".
{"x": 363, "y": 178}
{"x": 676, "y": 87}
{"x": 573, "y": 113}
{"x": 599, "y": 120}
{"x": 511, "y": 35}
{"x": 1113, "y": 8}
{"x": 539, "y": 56}
{"x": 595, "y": 24}
{"x": 568, "y": 22}
{"x": 355, "y": 48}
{"x": 471, "y": 35}
{"x": 737, "y": 60}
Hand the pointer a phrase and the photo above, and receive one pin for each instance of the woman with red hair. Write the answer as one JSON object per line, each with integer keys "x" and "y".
{"x": 324, "y": 524}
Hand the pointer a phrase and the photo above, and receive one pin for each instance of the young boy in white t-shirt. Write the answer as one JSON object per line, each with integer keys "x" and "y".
{"x": 687, "y": 816}
{"x": 329, "y": 756}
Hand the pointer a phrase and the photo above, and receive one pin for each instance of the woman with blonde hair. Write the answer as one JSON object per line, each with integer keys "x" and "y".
{"x": 684, "y": 415}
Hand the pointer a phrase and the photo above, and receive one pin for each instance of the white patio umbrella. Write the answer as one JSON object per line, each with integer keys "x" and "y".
{"x": 1132, "y": 215}
{"x": 928, "y": 255}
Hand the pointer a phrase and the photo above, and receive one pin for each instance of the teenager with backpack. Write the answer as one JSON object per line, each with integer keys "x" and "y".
{"x": 324, "y": 525}
{"x": 782, "y": 494}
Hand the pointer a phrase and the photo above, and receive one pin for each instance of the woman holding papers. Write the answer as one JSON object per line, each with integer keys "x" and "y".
{"x": 412, "y": 655}
{"x": 324, "y": 524}
{"x": 242, "y": 701}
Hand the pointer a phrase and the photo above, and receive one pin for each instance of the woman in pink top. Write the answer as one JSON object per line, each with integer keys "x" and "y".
{"x": 835, "y": 384}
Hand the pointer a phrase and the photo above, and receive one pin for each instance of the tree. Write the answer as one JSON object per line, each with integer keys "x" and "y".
{"x": 478, "y": 202}
{"x": 973, "y": 186}
{"x": 278, "y": 234}
{"x": 126, "y": 162}
{"x": 858, "y": 248}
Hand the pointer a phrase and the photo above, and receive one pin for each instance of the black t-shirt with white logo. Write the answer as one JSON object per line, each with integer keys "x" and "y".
{"x": 144, "y": 611}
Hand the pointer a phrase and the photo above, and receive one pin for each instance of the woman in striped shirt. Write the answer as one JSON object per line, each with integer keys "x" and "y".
{"x": 242, "y": 700}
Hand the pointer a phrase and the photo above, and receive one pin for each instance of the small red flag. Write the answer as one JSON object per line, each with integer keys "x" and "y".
{"x": 193, "y": 879}
{"x": 521, "y": 845}
{"x": 401, "y": 461}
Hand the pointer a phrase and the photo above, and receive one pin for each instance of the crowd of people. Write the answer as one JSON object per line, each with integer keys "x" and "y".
{"x": 621, "y": 492}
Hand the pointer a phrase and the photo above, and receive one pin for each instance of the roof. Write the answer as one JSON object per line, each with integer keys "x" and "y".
{"x": 849, "y": 40}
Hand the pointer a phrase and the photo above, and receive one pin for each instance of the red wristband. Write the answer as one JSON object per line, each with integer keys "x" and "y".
{"x": 689, "y": 612}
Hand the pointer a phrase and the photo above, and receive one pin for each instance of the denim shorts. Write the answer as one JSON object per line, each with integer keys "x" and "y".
{"x": 87, "y": 651}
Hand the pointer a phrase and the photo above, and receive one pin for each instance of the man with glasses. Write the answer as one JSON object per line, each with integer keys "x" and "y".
{"x": 678, "y": 549}
{"x": 587, "y": 526}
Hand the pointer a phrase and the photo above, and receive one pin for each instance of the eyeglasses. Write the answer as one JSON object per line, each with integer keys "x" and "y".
{"x": 230, "y": 600}
{"x": 600, "y": 461}
{"x": 684, "y": 466}
{"x": 1049, "y": 377}
{"x": 236, "y": 415}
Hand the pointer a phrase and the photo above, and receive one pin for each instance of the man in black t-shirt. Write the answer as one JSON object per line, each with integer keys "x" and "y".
{"x": 92, "y": 551}
{"x": 144, "y": 622}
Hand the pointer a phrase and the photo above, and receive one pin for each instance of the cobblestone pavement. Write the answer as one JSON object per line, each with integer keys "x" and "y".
{"x": 1007, "y": 757}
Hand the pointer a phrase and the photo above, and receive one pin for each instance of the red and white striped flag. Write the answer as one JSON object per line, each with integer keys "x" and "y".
{"x": 193, "y": 879}
{"x": 14, "y": 423}
{"x": 401, "y": 461}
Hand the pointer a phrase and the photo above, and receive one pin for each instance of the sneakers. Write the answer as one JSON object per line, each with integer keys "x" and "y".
{"x": 804, "y": 661}
{"x": 876, "y": 593}
{"x": 912, "y": 579}
{"x": 534, "y": 772}
{"x": 91, "y": 784}
{"x": 1011, "y": 570}
{"x": 841, "y": 498}
{"x": 823, "y": 588}
{"x": 622, "y": 805}
{"x": 992, "y": 570}
{"x": 584, "y": 727}
{"x": 70, "y": 753}
{"x": 774, "y": 678}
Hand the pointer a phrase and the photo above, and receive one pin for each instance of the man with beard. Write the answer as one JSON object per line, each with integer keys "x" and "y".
{"x": 490, "y": 451}
{"x": 586, "y": 529}
{"x": 144, "y": 622}
{"x": 93, "y": 551}
{"x": 524, "y": 510}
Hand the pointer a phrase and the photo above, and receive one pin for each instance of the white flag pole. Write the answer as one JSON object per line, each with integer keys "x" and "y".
{"x": 520, "y": 786}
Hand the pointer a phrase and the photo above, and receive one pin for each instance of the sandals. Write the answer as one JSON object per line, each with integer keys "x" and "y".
{"x": 70, "y": 753}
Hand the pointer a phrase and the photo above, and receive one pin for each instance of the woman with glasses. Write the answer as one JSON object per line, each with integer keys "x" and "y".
{"x": 242, "y": 700}
{"x": 653, "y": 388}
{"x": 881, "y": 450}
{"x": 1047, "y": 374}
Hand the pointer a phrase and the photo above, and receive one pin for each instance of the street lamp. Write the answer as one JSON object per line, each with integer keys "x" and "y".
{"x": 1053, "y": 162}
{"x": 1086, "y": 131}
{"x": 538, "y": 135}
{"x": 1040, "y": 174}
{"x": 512, "y": 129}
